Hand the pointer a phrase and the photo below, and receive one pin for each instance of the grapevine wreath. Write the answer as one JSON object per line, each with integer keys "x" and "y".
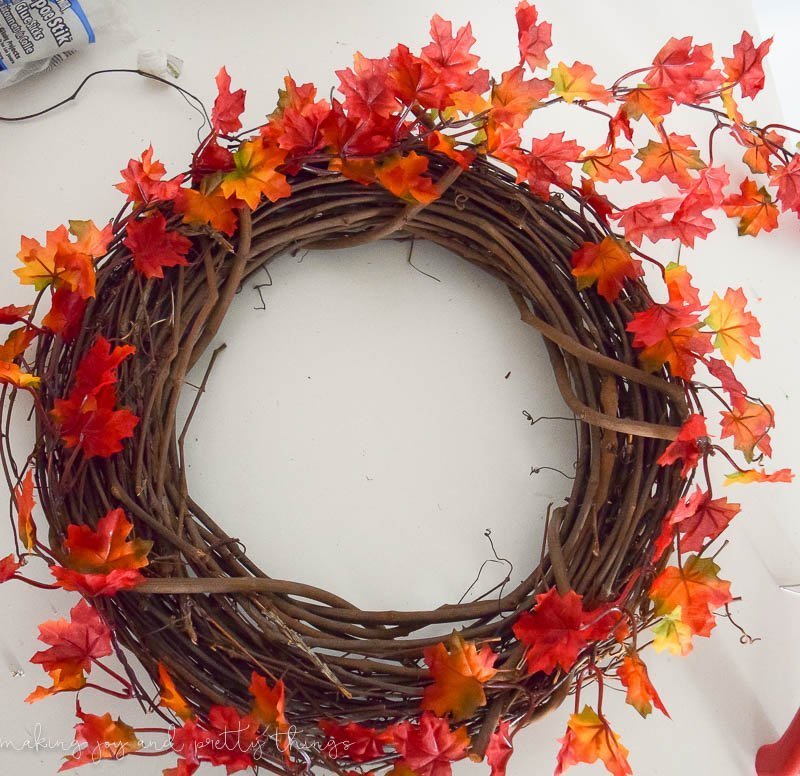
{"x": 256, "y": 671}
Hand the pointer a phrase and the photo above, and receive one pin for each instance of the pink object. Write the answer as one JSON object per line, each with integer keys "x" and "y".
{"x": 783, "y": 757}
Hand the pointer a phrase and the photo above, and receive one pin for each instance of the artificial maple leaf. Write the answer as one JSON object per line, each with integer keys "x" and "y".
{"x": 608, "y": 263}
{"x": 599, "y": 203}
{"x": 346, "y": 136}
{"x": 758, "y": 475}
{"x": 500, "y": 749}
{"x": 94, "y": 424}
{"x": 98, "y": 367}
{"x": 90, "y": 239}
{"x": 696, "y": 588}
{"x": 228, "y": 105}
{"x": 760, "y": 146}
{"x": 787, "y": 178}
{"x": 65, "y": 315}
{"x": 459, "y": 674}
{"x": 182, "y": 768}
{"x": 577, "y": 83}
{"x": 605, "y": 164}
{"x": 684, "y": 71}
{"x": 722, "y": 372}
{"x": 74, "y": 645}
{"x": 735, "y": 327}
{"x": 589, "y": 738}
{"x": 11, "y": 374}
{"x": 444, "y": 144}
{"x": 296, "y": 125}
{"x": 749, "y": 424}
{"x": 269, "y": 709}
{"x": 255, "y": 174}
{"x": 648, "y": 219}
{"x": 672, "y": 634}
{"x": 553, "y": 632}
{"x": 143, "y": 180}
{"x": 429, "y": 747}
{"x": 514, "y": 98}
{"x": 153, "y": 247}
{"x": 9, "y": 566}
{"x": 59, "y": 262}
{"x": 647, "y": 101}
{"x": 534, "y": 38}
{"x": 367, "y": 89}
{"x": 102, "y": 738}
{"x": 679, "y": 287}
{"x": 211, "y": 158}
{"x": 13, "y": 314}
{"x": 354, "y": 742}
{"x": 701, "y": 519}
{"x": 754, "y": 208}
{"x": 23, "y": 495}
{"x": 548, "y": 163}
{"x": 745, "y": 67}
{"x": 170, "y": 698}
{"x": 200, "y": 209}
{"x": 675, "y": 345}
{"x": 104, "y": 560}
{"x": 640, "y": 692}
{"x": 416, "y": 81}
{"x": 688, "y": 446}
{"x": 689, "y": 220}
{"x": 673, "y": 159}
{"x": 451, "y": 59}
{"x": 405, "y": 177}
{"x": 226, "y": 739}
{"x": 16, "y": 343}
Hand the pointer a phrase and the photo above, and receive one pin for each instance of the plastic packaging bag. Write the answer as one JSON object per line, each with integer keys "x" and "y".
{"x": 37, "y": 35}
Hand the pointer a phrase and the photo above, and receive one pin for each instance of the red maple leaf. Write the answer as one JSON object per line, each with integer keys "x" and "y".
{"x": 367, "y": 89}
{"x": 65, "y": 315}
{"x": 787, "y": 178}
{"x": 745, "y": 67}
{"x": 450, "y": 57}
{"x": 688, "y": 445}
{"x": 429, "y": 747}
{"x": 415, "y": 80}
{"x": 684, "y": 71}
{"x": 104, "y": 560}
{"x": 648, "y": 219}
{"x": 353, "y": 742}
{"x": 153, "y": 247}
{"x": 553, "y": 632}
{"x": 728, "y": 380}
{"x": 548, "y": 163}
{"x": 701, "y": 519}
{"x": 534, "y": 38}
{"x": 228, "y": 105}
{"x": 143, "y": 180}
{"x": 500, "y": 749}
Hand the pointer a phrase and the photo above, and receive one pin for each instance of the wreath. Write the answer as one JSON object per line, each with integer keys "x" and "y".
{"x": 255, "y": 671}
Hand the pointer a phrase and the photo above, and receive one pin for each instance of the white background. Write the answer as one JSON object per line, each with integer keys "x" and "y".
{"x": 360, "y": 432}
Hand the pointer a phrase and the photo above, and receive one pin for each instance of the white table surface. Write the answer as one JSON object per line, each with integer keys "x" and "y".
{"x": 359, "y": 433}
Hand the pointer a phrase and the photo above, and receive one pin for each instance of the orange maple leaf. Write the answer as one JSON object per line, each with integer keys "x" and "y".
{"x": 514, "y": 98}
{"x": 758, "y": 475}
{"x": 760, "y": 146}
{"x": 269, "y": 709}
{"x": 59, "y": 262}
{"x": 213, "y": 209}
{"x": 696, "y": 588}
{"x": 647, "y": 101}
{"x": 103, "y": 738}
{"x": 605, "y": 164}
{"x": 143, "y": 180}
{"x": 608, "y": 263}
{"x": 589, "y": 738}
{"x": 749, "y": 424}
{"x": 576, "y": 83}
{"x": 459, "y": 674}
{"x": 75, "y": 644}
{"x": 673, "y": 159}
{"x": 754, "y": 208}
{"x": 103, "y": 560}
{"x": 170, "y": 697}
{"x": 23, "y": 495}
{"x": 255, "y": 174}
{"x": 11, "y": 374}
{"x": 640, "y": 693}
{"x": 735, "y": 327}
{"x": 405, "y": 177}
